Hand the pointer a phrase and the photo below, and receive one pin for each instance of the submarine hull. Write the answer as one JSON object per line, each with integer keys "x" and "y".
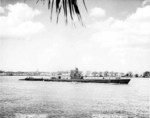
{"x": 117, "y": 81}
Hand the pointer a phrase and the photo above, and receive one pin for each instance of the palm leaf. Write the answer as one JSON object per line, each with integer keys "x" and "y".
{"x": 70, "y": 6}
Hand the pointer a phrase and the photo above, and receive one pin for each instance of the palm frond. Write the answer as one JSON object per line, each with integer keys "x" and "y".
{"x": 70, "y": 6}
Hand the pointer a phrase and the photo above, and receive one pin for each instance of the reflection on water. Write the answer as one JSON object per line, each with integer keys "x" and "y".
{"x": 24, "y": 99}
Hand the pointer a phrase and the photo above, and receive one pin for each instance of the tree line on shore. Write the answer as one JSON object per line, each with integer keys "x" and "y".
{"x": 145, "y": 74}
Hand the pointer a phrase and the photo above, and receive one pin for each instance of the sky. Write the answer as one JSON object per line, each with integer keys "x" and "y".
{"x": 116, "y": 37}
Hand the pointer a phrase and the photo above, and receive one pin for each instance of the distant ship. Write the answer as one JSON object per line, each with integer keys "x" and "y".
{"x": 75, "y": 76}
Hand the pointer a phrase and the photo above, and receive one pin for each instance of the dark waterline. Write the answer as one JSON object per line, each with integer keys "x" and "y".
{"x": 73, "y": 100}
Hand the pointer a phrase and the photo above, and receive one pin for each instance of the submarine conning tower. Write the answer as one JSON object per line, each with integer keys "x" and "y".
{"x": 76, "y": 74}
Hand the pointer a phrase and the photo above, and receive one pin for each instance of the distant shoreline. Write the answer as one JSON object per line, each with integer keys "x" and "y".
{"x": 49, "y": 76}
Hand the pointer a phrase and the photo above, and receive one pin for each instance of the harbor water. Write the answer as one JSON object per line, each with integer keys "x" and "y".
{"x": 39, "y": 99}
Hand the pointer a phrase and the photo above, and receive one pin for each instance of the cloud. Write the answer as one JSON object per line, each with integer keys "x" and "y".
{"x": 19, "y": 21}
{"x": 132, "y": 32}
{"x": 97, "y": 12}
{"x": 1, "y": 10}
{"x": 146, "y": 2}
{"x": 142, "y": 15}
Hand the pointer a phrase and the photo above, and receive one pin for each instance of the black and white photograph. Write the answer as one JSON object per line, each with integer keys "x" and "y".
{"x": 74, "y": 58}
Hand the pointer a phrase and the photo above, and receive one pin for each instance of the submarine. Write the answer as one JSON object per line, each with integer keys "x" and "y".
{"x": 76, "y": 76}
